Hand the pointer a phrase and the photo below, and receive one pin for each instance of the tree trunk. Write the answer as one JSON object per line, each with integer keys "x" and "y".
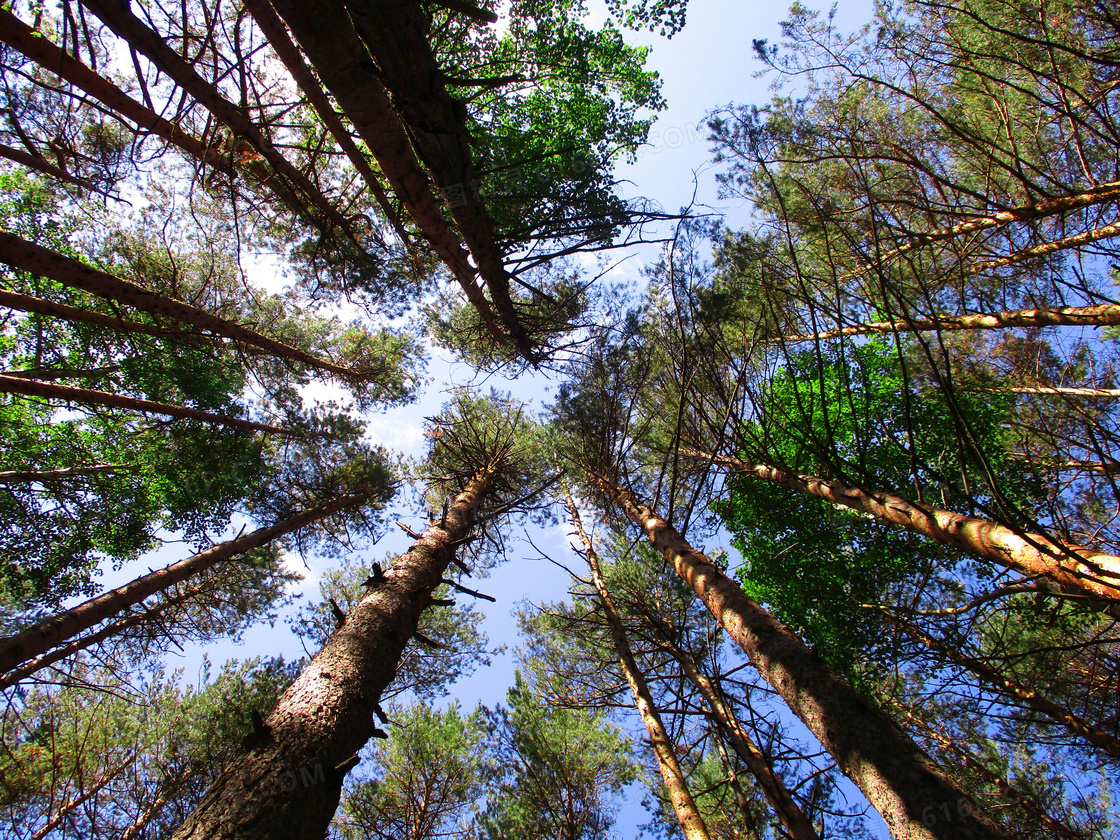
{"x": 1076, "y": 241}
{"x": 42, "y": 165}
{"x": 1077, "y": 569}
{"x": 1111, "y": 393}
{"x": 797, "y": 824}
{"x": 273, "y": 29}
{"x": 1006, "y": 685}
{"x": 676, "y": 786}
{"x": 327, "y": 36}
{"x": 119, "y": 18}
{"x": 914, "y": 798}
{"x": 88, "y": 396}
{"x": 1026, "y": 213}
{"x": 36, "y": 46}
{"x": 287, "y": 783}
{"x": 1095, "y": 316}
{"x": 63, "y": 474}
{"x": 39, "y": 638}
{"x": 77, "y": 275}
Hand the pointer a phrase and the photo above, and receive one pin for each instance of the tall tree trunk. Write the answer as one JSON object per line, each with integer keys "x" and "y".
{"x": 676, "y": 786}
{"x": 62, "y": 474}
{"x": 1095, "y": 316}
{"x": 797, "y": 824}
{"x": 903, "y": 784}
{"x": 88, "y": 396}
{"x": 1111, "y": 393}
{"x": 74, "y": 274}
{"x": 41, "y": 637}
{"x": 36, "y": 46}
{"x": 119, "y": 18}
{"x": 1077, "y": 569}
{"x": 1003, "y": 684}
{"x": 287, "y": 783}
{"x": 273, "y": 29}
{"x": 327, "y": 36}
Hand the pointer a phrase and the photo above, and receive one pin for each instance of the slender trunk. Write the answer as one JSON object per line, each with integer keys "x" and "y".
{"x": 287, "y": 783}
{"x": 63, "y": 474}
{"x": 1106, "y": 467}
{"x": 327, "y": 36}
{"x": 1095, "y": 316}
{"x": 396, "y": 33}
{"x": 36, "y": 640}
{"x": 1034, "y": 700}
{"x": 1026, "y": 213}
{"x": 750, "y": 818}
{"x": 78, "y": 801}
{"x": 799, "y": 826}
{"x": 676, "y": 786}
{"x": 119, "y": 18}
{"x": 88, "y": 396}
{"x": 84, "y": 642}
{"x": 1005, "y": 788}
{"x": 1055, "y": 390}
{"x": 273, "y": 29}
{"x": 1077, "y": 569}
{"x": 910, "y": 792}
{"x": 77, "y": 275}
{"x": 1076, "y": 241}
{"x": 36, "y": 46}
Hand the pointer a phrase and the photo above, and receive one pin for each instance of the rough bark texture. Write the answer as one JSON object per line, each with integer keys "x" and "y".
{"x": 903, "y": 784}
{"x": 77, "y": 275}
{"x": 1095, "y": 316}
{"x": 287, "y": 783}
{"x": 35, "y": 640}
{"x": 327, "y": 36}
{"x": 799, "y": 826}
{"x": 61, "y": 474}
{"x": 273, "y": 29}
{"x": 1077, "y": 569}
{"x": 676, "y": 786}
{"x": 88, "y": 396}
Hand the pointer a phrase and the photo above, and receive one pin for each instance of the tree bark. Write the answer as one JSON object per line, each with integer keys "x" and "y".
{"x": 1096, "y": 316}
{"x": 1077, "y": 569}
{"x": 36, "y": 640}
{"x": 36, "y": 46}
{"x": 1025, "y": 213}
{"x": 273, "y": 29}
{"x": 797, "y": 824}
{"x": 43, "y": 165}
{"x": 676, "y": 786}
{"x": 910, "y": 792}
{"x": 1034, "y": 700}
{"x": 119, "y": 18}
{"x": 88, "y": 396}
{"x": 75, "y": 274}
{"x": 62, "y": 474}
{"x": 327, "y": 36}
{"x": 287, "y": 783}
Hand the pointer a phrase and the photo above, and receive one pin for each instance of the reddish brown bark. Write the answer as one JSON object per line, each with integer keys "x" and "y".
{"x": 77, "y": 275}
{"x": 910, "y": 792}
{"x": 287, "y": 784}
{"x": 88, "y": 396}
{"x": 676, "y": 786}
{"x": 1096, "y": 316}
{"x": 327, "y": 36}
{"x": 36, "y": 640}
{"x": 1078, "y": 569}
